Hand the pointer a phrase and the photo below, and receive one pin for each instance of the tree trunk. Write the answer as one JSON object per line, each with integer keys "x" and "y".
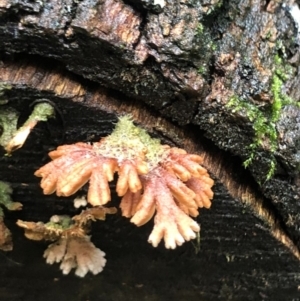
{"x": 217, "y": 78}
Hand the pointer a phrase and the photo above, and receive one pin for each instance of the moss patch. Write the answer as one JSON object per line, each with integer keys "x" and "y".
{"x": 264, "y": 120}
{"x": 129, "y": 141}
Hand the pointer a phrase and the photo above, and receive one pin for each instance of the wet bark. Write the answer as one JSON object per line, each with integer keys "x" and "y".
{"x": 184, "y": 62}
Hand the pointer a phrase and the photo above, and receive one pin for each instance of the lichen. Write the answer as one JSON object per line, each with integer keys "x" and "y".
{"x": 42, "y": 112}
{"x": 6, "y": 201}
{"x": 8, "y": 125}
{"x": 15, "y": 138}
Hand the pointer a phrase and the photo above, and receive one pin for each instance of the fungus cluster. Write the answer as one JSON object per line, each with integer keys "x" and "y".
{"x": 153, "y": 180}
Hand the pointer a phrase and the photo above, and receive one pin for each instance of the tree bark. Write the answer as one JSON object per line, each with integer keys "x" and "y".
{"x": 197, "y": 74}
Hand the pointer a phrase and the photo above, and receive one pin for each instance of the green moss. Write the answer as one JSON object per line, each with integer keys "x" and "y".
{"x": 282, "y": 73}
{"x": 265, "y": 135}
{"x": 205, "y": 47}
{"x": 264, "y": 120}
{"x": 200, "y": 29}
{"x": 202, "y": 70}
{"x": 129, "y": 142}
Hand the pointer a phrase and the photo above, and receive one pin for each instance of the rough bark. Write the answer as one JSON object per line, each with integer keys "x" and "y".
{"x": 185, "y": 61}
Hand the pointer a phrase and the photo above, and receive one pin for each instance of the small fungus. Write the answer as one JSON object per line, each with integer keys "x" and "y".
{"x": 72, "y": 246}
